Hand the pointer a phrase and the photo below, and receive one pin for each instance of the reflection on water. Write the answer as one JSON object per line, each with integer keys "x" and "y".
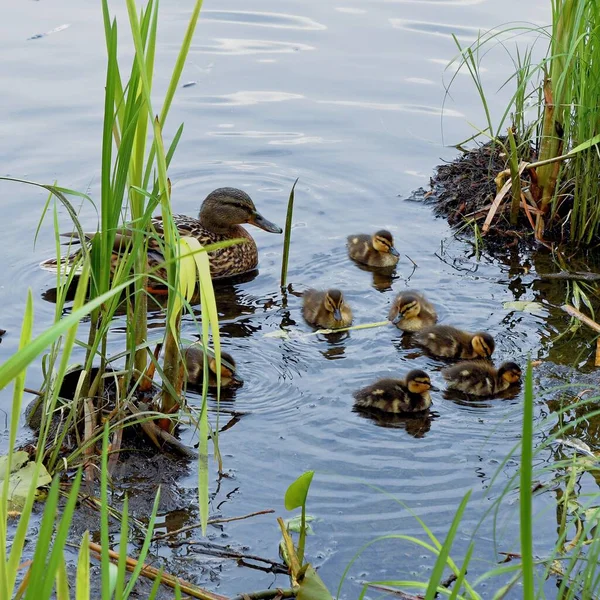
{"x": 415, "y": 425}
{"x": 351, "y": 104}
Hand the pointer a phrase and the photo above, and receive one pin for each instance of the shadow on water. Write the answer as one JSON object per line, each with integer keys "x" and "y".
{"x": 415, "y": 425}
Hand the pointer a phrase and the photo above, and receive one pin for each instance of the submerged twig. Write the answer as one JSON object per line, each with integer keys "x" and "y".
{"x": 211, "y": 549}
{"x": 175, "y": 532}
{"x": 571, "y": 310}
{"x": 571, "y": 276}
{"x": 165, "y": 578}
{"x": 352, "y": 327}
{"x": 389, "y": 590}
{"x": 268, "y": 594}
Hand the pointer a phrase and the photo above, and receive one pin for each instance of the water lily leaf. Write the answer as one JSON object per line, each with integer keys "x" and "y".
{"x": 295, "y": 496}
{"x": 312, "y": 587}
{"x": 295, "y": 524}
{"x": 524, "y": 306}
{"x": 20, "y": 480}
{"x": 278, "y": 333}
{"x": 18, "y": 459}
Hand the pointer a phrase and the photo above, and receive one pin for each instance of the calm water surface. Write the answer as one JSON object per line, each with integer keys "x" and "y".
{"x": 346, "y": 96}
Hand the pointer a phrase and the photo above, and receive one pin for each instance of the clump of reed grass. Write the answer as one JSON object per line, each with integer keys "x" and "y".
{"x": 553, "y": 161}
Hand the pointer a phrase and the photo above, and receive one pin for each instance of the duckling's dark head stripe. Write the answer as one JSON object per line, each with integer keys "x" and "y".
{"x": 385, "y": 236}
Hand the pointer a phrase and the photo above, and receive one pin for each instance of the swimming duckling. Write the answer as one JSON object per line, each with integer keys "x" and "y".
{"x": 194, "y": 362}
{"x": 397, "y": 396}
{"x": 480, "y": 378}
{"x": 376, "y": 250}
{"x": 450, "y": 342}
{"x": 326, "y": 309}
{"x": 411, "y": 311}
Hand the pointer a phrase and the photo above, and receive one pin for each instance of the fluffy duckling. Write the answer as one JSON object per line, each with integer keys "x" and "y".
{"x": 326, "y": 309}
{"x": 450, "y": 342}
{"x": 480, "y": 378}
{"x": 398, "y": 396}
{"x": 194, "y": 362}
{"x": 411, "y": 311}
{"x": 375, "y": 250}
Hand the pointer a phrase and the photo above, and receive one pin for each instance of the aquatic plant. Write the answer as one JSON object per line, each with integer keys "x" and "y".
{"x": 134, "y": 182}
{"x": 552, "y": 163}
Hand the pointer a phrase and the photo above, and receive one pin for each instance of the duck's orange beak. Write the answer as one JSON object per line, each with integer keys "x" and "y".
{"x": 262, "y": 223}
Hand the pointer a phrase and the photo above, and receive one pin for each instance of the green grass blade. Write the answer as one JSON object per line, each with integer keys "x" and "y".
{"x": 444, "y": 553}
{"x": 287, "y": 237}
{"x": 124, "y": 539}
{"x": 60, "y": 539}
{"x": 82, "y": 589}
{"x": 525, "y": 500}
{"x": 10, "y": 369}
{"x": 42, "y": 547}
{"x": 62, "y": 581}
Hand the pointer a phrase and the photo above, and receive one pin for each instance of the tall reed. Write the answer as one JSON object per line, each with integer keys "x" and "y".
{"x": 565, "y": 177}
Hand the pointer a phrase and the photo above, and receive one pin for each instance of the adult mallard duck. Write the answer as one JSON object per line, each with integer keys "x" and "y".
{"x": 326, "y": 309}
{"x": 480, "y": 378}
{"x": 221, "y": 215}
{"x": 450, "y": 342}
{"x": 375, "y": 250}
{"x": 398, "y": 396}
{"x": 411, "y": 311}
{"x": 194, "y": 363}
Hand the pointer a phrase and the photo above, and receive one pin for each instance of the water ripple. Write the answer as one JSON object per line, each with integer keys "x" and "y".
{"x": 246, "y": 98}
{"x": 263, "y": 19}
{"x": 276, "y": 138}
{"x": 462, "y": 32}
{"x": 409, "y": 108}
{"x": 234, "y": 47}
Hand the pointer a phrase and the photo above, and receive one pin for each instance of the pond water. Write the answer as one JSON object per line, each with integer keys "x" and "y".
{"x": 346, "y": 96}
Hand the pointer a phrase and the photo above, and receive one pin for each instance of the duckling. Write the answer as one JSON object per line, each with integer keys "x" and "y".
{"x": 194, "y": 362}
{"x": 480, "y": 378}
{"x": 326, "y": 309}
{"x": 221, "y": 215}
{"x": 411, "y": 311}
{"x": 397, "y": 395}
{"x": 376, "y": 250}
{"x": 449, "y": 342}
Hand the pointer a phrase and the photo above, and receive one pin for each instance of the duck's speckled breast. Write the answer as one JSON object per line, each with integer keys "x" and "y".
{"x": 224, "y": 262}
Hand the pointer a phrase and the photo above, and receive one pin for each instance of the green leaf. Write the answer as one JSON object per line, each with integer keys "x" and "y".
{"x": 82, "y": 590}
{"x": 21, "y": 479}
{"x": 295, "y": 524}
{"x": 18, "y": 460}
{"x": 524, "y": 306}
{"x": 312, "y": 586}
{"x": 296, "y": 494}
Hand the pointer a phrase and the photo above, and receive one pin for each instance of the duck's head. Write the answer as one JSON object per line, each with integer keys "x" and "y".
{"x": 384, "y": 242}
{"x": 483, "y": 344}
{"x": 333, "y": 303}
{"x": 418, "y": 382}
{"x": 407, "y": 306}
{"x": 510, "y": 372}
{"x": 225, "y": 207}
{"x": 228, "y": 368}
